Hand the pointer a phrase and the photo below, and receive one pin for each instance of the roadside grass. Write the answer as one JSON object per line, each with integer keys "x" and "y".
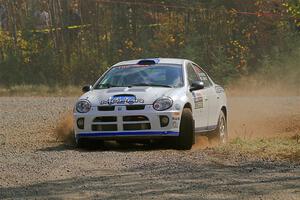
{"x": 40, "y": 90}
{"x": 275, "y": 148}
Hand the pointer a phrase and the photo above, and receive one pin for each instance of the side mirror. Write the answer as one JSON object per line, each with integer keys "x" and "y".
{"x": 197, "y": 85}
{"x": 86, "y": 88}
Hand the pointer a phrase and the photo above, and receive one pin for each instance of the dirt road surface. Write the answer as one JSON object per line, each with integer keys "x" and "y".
{"x": 34, "y": 165}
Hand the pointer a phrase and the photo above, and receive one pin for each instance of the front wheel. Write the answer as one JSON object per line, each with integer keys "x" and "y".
{"x": 186, "y": 137}
{"x": 85, "y": 143}
{"x": 220, "y": 135}
{"x": 82, "y": 143}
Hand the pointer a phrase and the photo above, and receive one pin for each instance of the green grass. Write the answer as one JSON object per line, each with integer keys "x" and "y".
{"x": 277, "y": 148}
{"x": 40, "y": 90}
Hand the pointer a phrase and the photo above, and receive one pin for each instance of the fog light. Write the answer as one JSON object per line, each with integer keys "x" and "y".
{"x": 80, "y": 123}
{"x": 164, "y": 121}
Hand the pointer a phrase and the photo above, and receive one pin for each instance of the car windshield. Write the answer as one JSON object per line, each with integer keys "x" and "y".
{"x": 142, "y": 75}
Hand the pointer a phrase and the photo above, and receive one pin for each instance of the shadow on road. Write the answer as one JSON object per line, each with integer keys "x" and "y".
{"x": 109, "y": 146}
{"x": 209, "y": 181}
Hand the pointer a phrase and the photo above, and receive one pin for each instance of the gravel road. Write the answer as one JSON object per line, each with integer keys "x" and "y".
{"x": 34, "y": 165}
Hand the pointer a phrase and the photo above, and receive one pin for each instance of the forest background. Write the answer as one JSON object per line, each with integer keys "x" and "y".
{"x": 72, "y": 42}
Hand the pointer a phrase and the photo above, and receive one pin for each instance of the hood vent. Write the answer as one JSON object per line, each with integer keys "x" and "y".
{"x": 148, "y": 61}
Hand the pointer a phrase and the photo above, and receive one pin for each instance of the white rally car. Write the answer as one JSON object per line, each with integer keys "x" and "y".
{"x": 147, "y": 99}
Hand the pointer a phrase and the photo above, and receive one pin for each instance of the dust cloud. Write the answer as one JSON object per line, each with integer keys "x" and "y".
{"x": 253, "y": 112}
{"x": 64, "y": 129}
{"x": 202, "y": 142}
{"x": 260, "y": 108}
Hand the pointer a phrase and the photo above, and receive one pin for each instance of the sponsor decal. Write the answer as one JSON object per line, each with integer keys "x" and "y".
{"x": 176, "y": 116}
{"x": 121, "y": 100}
{"x": 219, "y": 89}
{"x": 175, "y": 124}
{"x": 198, "y": 100}
{"x": 130, "y": 66}
{"x": 176, "y": 119}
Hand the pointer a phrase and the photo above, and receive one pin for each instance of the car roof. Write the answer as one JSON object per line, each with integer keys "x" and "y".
{"x": 157, "y": 60}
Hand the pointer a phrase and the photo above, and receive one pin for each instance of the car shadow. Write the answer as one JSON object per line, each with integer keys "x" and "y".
{"x": 162, "y": 181}
{"x": 95, "y": 146}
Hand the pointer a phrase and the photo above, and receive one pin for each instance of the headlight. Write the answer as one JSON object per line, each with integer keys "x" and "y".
{"x": 83, "y": 106}
{"x": 163, "y": 103}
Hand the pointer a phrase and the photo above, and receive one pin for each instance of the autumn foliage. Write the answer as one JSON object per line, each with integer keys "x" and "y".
{"x": 67, "y": 42}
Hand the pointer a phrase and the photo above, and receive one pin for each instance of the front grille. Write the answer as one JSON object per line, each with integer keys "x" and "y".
{"x": 136, "y": 122}
{"x": 137, "y": 118}
{"x": 129, "y": 123}
{"x": 105, "y": 119}
{"x": 106, "y": 108}
{"x": 133, "y": 127}
{"x": 135, "y": 107}
{"x": 105, "y": 127}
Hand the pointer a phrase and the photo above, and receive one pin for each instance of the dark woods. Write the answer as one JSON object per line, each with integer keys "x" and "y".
{"x": 60, "y": 42}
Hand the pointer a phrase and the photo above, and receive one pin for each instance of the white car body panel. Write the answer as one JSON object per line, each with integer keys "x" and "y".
{"x": 206, "y": 105}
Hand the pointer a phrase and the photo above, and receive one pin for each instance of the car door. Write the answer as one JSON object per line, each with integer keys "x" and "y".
{"x": 200, "y": 101}
{"x": 212, "y": 98}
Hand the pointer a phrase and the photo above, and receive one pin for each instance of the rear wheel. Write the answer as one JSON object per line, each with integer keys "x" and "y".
{"x": 220, "y": 135}
{"x": 186, "y": 137}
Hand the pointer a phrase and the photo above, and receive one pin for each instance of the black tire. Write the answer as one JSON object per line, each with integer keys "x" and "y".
{"x": 186, "y": 137}
{"x": 220, "y": 135}
{"x": 85, "y": 143}
{"x": 82, "y": 143}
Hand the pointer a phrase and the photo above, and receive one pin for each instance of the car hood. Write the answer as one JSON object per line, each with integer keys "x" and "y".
{"x": 147, "y": 94}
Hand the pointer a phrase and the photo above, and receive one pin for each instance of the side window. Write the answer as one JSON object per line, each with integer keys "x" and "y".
{"x": 203, "y": 77}
{"x": 192, "y": 75}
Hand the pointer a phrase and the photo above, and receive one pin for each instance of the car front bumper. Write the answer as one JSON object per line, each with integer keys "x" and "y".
{"x": 122, "y": 123}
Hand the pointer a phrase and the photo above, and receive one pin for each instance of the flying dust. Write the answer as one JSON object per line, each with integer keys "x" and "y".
{"x": 252, "y": 113}
{"x": 259, "y": 108}
{"x": 64, "y": 130}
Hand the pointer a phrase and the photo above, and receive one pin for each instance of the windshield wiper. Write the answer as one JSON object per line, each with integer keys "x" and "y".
{"x": 105, "y": 86}
{"x": 150, "y": 84}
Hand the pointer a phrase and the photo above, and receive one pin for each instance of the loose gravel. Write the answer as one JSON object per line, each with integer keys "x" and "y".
{"x": 34, "y": 165}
